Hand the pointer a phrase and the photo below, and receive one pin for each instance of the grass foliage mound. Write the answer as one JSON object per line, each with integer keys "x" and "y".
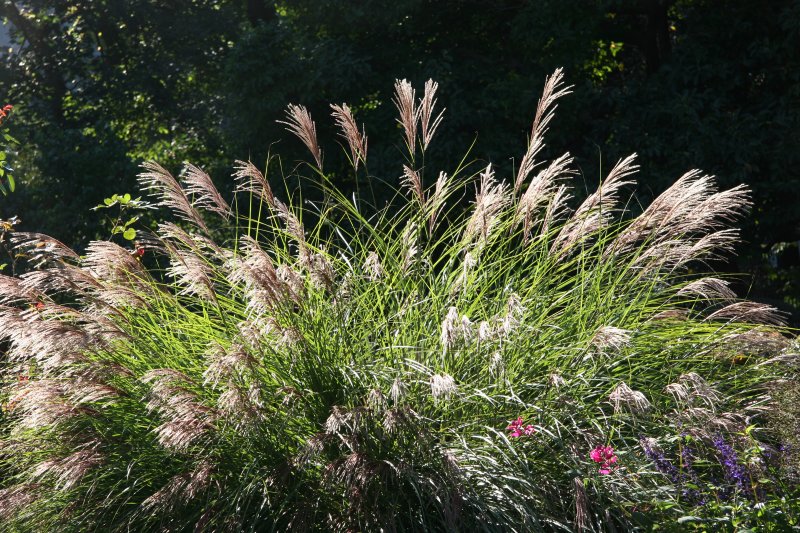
{"x": 476, "y": 355}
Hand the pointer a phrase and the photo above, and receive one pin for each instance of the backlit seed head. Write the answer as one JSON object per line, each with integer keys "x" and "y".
{"x": 625, "y": 397}
{"x": 442, "y": 386}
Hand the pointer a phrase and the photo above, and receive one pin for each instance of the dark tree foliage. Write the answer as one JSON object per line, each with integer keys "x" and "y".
{"x": 489, "y": 60}
{"x": 101, "y": 85}
{"x": 728, "y": 101}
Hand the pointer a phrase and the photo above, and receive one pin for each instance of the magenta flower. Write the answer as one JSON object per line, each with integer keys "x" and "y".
{"x": 518, "y": 428}
{"x": 604, "y": 455}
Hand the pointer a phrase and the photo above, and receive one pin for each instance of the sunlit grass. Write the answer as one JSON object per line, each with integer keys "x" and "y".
{"x": 332, "y": 367}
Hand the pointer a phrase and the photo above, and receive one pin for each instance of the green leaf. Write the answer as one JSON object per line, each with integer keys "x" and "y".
{"x": 11, "y": 183}
{"x": 125, "y": 198}
{"x": 108, "y": 201}
{"x": 129, "y": 234}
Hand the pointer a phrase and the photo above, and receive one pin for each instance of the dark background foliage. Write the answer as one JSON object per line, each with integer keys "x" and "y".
{"x": 100, "y": 85}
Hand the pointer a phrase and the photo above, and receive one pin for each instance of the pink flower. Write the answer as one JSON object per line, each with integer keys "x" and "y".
{"x": 605, "y": 456}
{"x": 515, "y": 427}
{"x": 518, "y": 428}
{"x": 597, "y": 454}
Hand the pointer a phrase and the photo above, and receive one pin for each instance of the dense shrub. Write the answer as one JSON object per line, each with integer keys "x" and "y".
{"x": 512, "y": 366}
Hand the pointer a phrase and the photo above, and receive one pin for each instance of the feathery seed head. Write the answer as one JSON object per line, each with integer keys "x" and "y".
{"x": 13, "y": 291}
{"x": 624, "y": 396}
{"x": 249, "y": 178}
{"x": 81, "y": 391}
{"x": 752, "y": 312}
{"x": 181, "y": 488}
{"x": 112, "y": 263}
{"x": 69, "y": 470}
{"x": 708, "y": 288}
{"x": 491, "y": 199}
{"x": 410, "y": 248}
{"x": 17, "y": 497}
{"x": 544, "y": 191}
{"x": 376, "y": 400}
{"x": 294, "y": 228}
{"x": 442, "y": 386}
{"x": 496, "y": 364}
{"x": 679, "y": 393}
{"x": 412, "y": 181}
{"x": 264, "y": 285}
{"x": 321, "y": 272}
{"x": 553, "y": 90}
{"x": 293, "y": 280}
{"x": 426, "y": 113}
{"x": 225, "y": 364}
{"x": 159, "y": 180}
{"x": 206, "y": 195}
{"x": 373, "y": 267}
{"x": 395, "y": 419}
{"x": 698, "y": 388}
{"x": 356, "y": 140}
{"x": 513, "y": 317}
{"x": 186, "y": 420}
{"x": 467, "y": 266}
{"x": 42, "y": 249}
{"x": 436, "y": 200}
{"x": 556, "y": 380}
{"x": 405, "y": 101}
{"x": 689, "y": 214}
{"x": 398, "y": 390}
{"x": 41, "y": 403}
{"x": 597, "y": 210}
{"x": 191, "y": 272}
{"x": 610, "y": 337}
{"x": 455, "y": 329}
{"x": 234, "y": 403}
{"x": 336, "y": 420}
{"x": 485, "y": 331}
{"x": 298, "y": 121}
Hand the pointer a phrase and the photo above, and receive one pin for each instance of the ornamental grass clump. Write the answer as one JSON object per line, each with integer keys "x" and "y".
{"x": 424, "y": 366}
